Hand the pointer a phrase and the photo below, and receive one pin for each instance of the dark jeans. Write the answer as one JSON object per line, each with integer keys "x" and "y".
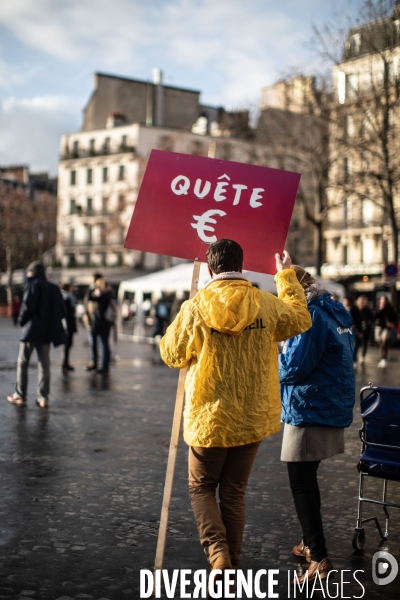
{"x": 105, "y": 348}
{"x": 67, "y": 348}
{"x": 307, "y": 501}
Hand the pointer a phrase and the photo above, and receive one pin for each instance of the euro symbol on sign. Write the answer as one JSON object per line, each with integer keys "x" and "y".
{"x": 202, "y": 225}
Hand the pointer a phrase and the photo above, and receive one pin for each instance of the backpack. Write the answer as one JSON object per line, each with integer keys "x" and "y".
{"x": 111, "y": 312}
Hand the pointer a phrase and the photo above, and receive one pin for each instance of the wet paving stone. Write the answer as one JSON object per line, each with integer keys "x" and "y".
{"x": 81, "y": 484}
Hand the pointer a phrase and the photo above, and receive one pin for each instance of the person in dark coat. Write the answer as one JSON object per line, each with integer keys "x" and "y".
{"x": 367, "y": 317}
{"x": 41, "y": 317}
{"x": 70, "y": 324}
{"x": 385, "y": 328}
{"x": 102, "y": 322}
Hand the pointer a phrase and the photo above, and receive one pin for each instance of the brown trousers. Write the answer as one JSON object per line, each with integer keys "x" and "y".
{"x": 220, "y": 530}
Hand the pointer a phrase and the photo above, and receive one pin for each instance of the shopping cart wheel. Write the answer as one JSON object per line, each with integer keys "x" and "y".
{"x": 358, "y": 539}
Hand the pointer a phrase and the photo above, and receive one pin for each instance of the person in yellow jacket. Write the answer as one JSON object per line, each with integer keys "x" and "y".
{"x": 227, "y": 336}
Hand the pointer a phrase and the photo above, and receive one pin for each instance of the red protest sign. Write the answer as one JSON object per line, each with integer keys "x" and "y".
{"x": 187, "y": 202}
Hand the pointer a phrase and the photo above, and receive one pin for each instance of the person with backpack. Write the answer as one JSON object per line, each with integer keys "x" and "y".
{"x": 41, "y": 316}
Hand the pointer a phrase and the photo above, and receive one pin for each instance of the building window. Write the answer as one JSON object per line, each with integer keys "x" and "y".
{"x": 390, "y": 118}
{"x": 350, "y": 128}
{"x": 103, "y": 238}
{"x": 106, "y": 146}
{"x": 72, "y": 179}
{"x": 121, "y": 173}
{"x": 347, "y": 169}
{"x": 351, "y": 85}
{"x": 166, "y": 143}
{"x": 89, "y": 205}
{"x": 72, "y": 237}
{"x": 104, "y": 205}
{"x": 105, "y": 174}
{"x": 92, "y": 150}
{"x": 121, "y": 203}
{"x": 348, "y": 211}
{"x": 367, "y": 252}
{"x": 124, "y": 142}
{"x": 197, "y": 148}
{"x": 75, "y": 149}
{"x": 88, "y": 235}
{"x": 367, "y": 211}
{"x": 341, "y": 87}
{"x": 72, "y": 207}
{"x": 345, "y": 254}
{"x": 89, "y": 176}
{"x": 356, "y": 44}
{"x": 71, "y": 260}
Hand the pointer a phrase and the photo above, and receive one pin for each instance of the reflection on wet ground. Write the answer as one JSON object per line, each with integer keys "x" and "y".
{"x": 81, "y": 484}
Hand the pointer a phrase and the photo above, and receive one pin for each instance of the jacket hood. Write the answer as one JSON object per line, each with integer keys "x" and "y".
{"x": 335, "y": 309}
{"x": 228, "y": 305}
{"x": 37, "y": 269}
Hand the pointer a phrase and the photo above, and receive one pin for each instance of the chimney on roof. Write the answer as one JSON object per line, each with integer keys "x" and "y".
{"x": 397, "y": 8}
{"x": 158, "y": 98}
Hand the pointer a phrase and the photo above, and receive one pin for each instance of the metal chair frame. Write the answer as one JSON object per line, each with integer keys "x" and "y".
{"x": 359, "y": 533}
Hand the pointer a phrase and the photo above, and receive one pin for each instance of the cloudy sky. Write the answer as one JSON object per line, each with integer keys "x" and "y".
{"x": 227, "y": 49}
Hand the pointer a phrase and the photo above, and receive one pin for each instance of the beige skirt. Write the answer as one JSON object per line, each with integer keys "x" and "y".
{"x": 301, "y": 444}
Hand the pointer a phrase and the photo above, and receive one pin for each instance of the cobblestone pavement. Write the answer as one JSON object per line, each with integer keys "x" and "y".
{"x": 81, "y": 485}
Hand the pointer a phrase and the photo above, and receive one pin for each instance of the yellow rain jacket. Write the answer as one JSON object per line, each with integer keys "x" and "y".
{"x": 227, "y": 337}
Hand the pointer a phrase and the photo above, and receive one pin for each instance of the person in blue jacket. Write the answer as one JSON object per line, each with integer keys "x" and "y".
{"x": 318, "y": 393}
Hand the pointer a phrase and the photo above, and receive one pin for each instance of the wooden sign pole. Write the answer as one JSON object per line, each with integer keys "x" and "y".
{"x": 176, "y": 426}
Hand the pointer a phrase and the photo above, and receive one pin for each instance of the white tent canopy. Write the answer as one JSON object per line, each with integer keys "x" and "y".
{"x": 178, "y": 279}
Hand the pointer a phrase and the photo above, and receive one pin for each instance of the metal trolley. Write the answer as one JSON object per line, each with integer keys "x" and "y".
{"x": 380, "y": 451}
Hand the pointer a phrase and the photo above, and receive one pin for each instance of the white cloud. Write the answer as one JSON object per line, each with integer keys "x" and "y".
{"x": 203, "y": 35}
{"x": 228, "y": 49}
{"x": 31, "y": 129}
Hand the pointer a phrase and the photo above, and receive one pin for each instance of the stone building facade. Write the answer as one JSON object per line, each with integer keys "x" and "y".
{"x": 364, "y": 148}
{"x": 102, "y": 165}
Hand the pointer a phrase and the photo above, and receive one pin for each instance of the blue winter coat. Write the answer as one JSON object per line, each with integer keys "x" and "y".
{"x": 316, "y": 369}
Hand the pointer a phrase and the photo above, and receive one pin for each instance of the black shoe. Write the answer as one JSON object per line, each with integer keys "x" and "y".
{"x": 70, "y": 368}
{"x": 91, "y": 367}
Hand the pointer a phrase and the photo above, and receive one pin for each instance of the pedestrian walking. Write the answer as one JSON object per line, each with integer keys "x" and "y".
{"x": 102, "y": 321}
{"x": 69, "y": 324}
{"x": 318, "y": 391}
{"x": 88, "y": 318}
{"x": 162, "y": 310}
{"x": 349, "y": 304}
{"x": 385, "y": 329}
{"x": 41, "y": 317}
{"x": 367, "y": 319}
{"x": 227, "y": 337}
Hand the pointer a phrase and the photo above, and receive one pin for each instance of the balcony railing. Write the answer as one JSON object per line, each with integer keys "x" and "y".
{"x": 90, "y": 212}
{"x": 103, "y": 151}
{"x": 87, "y": 244}
{"x": 356, "y": 223}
